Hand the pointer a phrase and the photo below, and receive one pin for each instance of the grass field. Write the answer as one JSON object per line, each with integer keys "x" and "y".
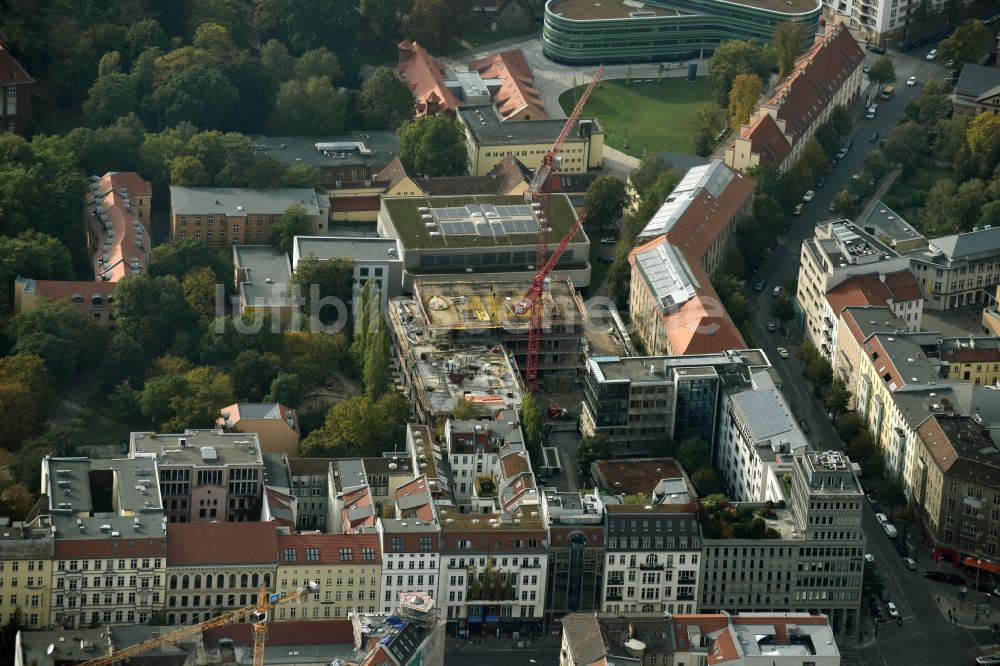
{"x": 643, "y": 117}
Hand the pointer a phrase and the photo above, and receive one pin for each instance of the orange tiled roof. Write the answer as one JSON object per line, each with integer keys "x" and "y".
{"x": 292, "y": 547}
{"x": 222, "y": 543}
{"x": 517, "y": 88}
{"x": 425, "y": 77}
{"x": 120, "y": 241}
{"x": 767, "y": 140}
{"x": 59, "y": 289}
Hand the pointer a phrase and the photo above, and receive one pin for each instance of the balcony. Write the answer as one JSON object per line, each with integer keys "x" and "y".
{"x": 645, "y": 566}
{"x": 616, "y": 581}
{"x": 613, "y": 597}
{"x": 685, "y": 597}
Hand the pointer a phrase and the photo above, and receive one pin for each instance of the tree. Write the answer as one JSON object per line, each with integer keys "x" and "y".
{"x": 983, "y": 139}
{"x": 737, "y": 57}
{"x": 325, "y": 287}
{"x": 871, "y": 580}
{"x": 287, "y": 389}
{"x": 434, "y": 22}
{"x": 310, "y": 24}
{"x": 360, "y": 427}
{"x": 318, "y": 62}
{"x": 376, "y": 377}
{"x": 20, "y": 424}
{"x": 381, "y": 19}
{"x": 198, "y": 95}
{"x": 65, "y": 337}
{"x": 310, "y": 107}
{"x": 465, "y": 410}
{"x": 707, "y": 482}
{"x": 905, "y": 143}
{"x": 252, "y": 374}
{"x": 882, "y": 72}
{"x": 316, "y": 356}
{"x": 152, "y": 310}
{"x": 838, "y": 397}
{"x": 604, "y": 201}
{"x": 111, "y": 97}
{"x": 123, "y": 361}
{"x": 709, "y": 120}
{"x": 788, "y": 39}
{"x": 813, "y": 158}
{"x": 892, "y": 495}
{"x": 591, "y": 448}
{"x": 619, "y": 275}
{"x": 385, "y": 102}
{"x": 743, "y": 96}
{"x": 969, "y": 43}
{"x": 843, "y": 205}
{"x": 433, "y": 146}
{"x": 734, "y": 299}
{"x": 364, "y": 310}
{"x": 923, "y": 16}
{"x": 180, "y": 257}
{"x": 531, "y": 423}
{"x": 293, "y": 222}
{"x": 875, "y": 164}
{"x": 188, "y": 171}
{"x": 783, "y": 309}
{"x": 694, "y": 453}
{"x": 649, "y": 170}
{"x": 932, "y": 105}
{"x": 31, "y": 253}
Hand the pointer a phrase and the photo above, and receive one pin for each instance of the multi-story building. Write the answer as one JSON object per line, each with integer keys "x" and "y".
{"x": 652, "y": 537}
{"x": 575, "y": 579}
{"x": 842, "y": 266}
{"x": 880, "y": 21}
{"x": 970, "y": 359}
{"x": 106, "y": 519}
{"x": 217, "y": 566}
{"x": 473, "y": 449}
{"x": 276, "y": 426}
{"x": 490, "y": 138}
{"x": 492, "y": 237}
{"x": 493, "y": 569}
{"x": 410, "y": 558}
{"x": 378, "y": 260}
{"x": 976, "y": 90}
{"x": 263, "y": 279}
{"x": 205, "y": 475}
{"x": 344, "y": 162}
{"x": 777, "y": 639}
{"x": 25, "y": 574}
{"x": 347, "y": 568}
{"x": 118, "y": 225}
{"x": 93, "y": 297}
{"x": 227, "y": 216}
{"x": 957, "y": 270}
{"x": 637, "y": 402}
{"x": 958, "y": 490}
{"x": 757, "y": 437}
{"x": 351, "y": 505}
{"x": 826, "y": 76}
{"x": 806, "y": 558}
{"x": 15, "y": 110}
{"x": 891, "y": 229}
{"x": 674, "y": 307}
{"x": 577, "y": 32}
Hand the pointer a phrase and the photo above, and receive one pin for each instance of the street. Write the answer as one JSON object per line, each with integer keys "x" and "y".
{"x": 926, "y": 637}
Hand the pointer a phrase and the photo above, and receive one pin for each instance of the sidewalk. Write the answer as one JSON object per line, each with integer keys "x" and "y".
{"x": 974, "y": 612}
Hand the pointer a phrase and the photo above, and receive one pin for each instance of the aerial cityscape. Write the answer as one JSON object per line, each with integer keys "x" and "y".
{"x": 496, "y": 332}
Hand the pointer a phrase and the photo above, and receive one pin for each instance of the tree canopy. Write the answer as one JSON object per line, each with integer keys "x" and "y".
{"x": 604, "y": 201}
{"x": 968, "y": 43}
{"x": 433, "y": 146}
{"x": 737, "y": 57}
{"x": 385, "y": 102}
{"x": 788, "y": 39}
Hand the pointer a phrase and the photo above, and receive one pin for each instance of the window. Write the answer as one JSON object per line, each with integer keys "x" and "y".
{"x": 346, "y": 554}
{"x": 312, "y": 554}
{"x": 290, "y": 555}
{"x": 11, "y": 91}
{"x": 368, "y": 553}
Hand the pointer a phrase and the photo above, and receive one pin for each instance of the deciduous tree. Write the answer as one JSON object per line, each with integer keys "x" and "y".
{"x": 188, "y": 171}
{"x": 649, "y": 170}
{"x": 983, "y": 139}
{"x": 359, "y": 427}
{"x": 433, "y": 146}
{"x": 111, "y": 97}
{"x": 882, "y": 72}
{"x": 377, "y": 379}
{"x": 318, "y": 280}
{"x": 531, "y": 423}
{"x": 737, "y": 57}
{"x": 433, "y": 23}
{"x": 287, "y": 389}
{"x": 198, "y": 95}
{"x": 310, "y": 107}
{"x": 709, "y": 120}
{"x": 293, "y": 222}
{"x": 969, "y": 43}
{"x": 152, "y": 310}
{"x": 838, "y": 397}
{"x": 385, "y": 102}
{"x": 789, "y": 39}
{"x": 694, "y": 454}
{"x": 604, "y": 202}
{"x": 591, "y": 448}
{"x": 252, "y": 374}
{"x": 743, "y": 96}
{"x": 381, "y": 18}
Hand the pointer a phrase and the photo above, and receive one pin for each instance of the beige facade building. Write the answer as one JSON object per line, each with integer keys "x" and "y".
{"x": 93, "y": 297}
{"x": 276, "y": 426}
{"x": 957, "y": 270}
{"x": 25, "y": 574}
{"x": 347, "y": 568}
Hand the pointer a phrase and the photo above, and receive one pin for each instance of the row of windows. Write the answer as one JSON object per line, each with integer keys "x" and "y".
{"x": 98, "y": 565}
{"x": 188, "y": 581}
{"x": 258, "y": 220}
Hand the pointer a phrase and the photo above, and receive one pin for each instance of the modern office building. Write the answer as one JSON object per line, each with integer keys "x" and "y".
{"x": 804, "y": 558}
{"x": 581, "y": 32}
{"x": 575, "y": 580}
{"x": 379, "y": 260}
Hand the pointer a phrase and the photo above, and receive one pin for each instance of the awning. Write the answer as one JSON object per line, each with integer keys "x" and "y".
{"x": 474, "y": 618}
{"x": 981, "y": 564}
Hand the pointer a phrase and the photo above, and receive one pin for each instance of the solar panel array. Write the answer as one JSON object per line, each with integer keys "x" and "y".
{"x": 485, "y": 220}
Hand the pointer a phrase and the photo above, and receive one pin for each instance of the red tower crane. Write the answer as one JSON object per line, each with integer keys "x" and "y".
{"x": 542, "y": 185}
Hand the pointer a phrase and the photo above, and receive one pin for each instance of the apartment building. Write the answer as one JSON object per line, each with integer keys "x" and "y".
{"x": 118, "y": 224}
{"x": 227, "y": 216}
{"x": 957, "y": 493}
{"x": 675, "y": 309}
{"x": 410, "y": 558}
{"x": 15, "y": 110}
{"x": 25, "y": 573}
{"x": 970, "y": 359}
{"x": 757, "y": 437}
{"x": 702, "y": 212}
{"x": 106, "y": 519}
{"x": 743, "y": 639}
{"x": 351, "y": 505}
{"x": 474, "y": 449}
{"x": 218, "y": 566}
{"x": 825, "y": 76}
{"x": 805, "y": 558}
{"x": 347, "y": 568}
{"x": 957, "y": 270}
{"x": 263, "y": 279}
{"x": 652, "y": 550}
{"x": 493, "y": 569}
{"x": 309, "y": 477}
{"x": 881, "y": 21}
{"x": 575, "y": 577}
{"x": 842, "y": 266}
{"x": 889, "y": 227}
{"x": 276, "y": 426}
{"x": 93, "y": 297}
{"x": 638, "y": 401}
{"x": 205, "y": 475}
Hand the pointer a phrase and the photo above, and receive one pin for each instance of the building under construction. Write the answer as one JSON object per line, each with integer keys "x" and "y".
{"x": 478, "y": 318}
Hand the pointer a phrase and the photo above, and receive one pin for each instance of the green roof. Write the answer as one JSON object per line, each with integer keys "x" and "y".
{"x": 405, "y": 217}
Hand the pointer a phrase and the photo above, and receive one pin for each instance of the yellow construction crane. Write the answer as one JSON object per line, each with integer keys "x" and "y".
{"x": 256, "y": 612}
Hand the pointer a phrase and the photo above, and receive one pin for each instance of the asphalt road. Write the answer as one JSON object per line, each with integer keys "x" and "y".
{"x": 925, "y": 637}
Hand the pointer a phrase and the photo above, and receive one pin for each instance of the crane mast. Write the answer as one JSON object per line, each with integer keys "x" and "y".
{"x": 540, "y": 190}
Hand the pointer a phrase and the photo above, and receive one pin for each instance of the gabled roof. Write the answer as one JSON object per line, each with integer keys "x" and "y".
{"x": 260, "y": 411}
{"x": 767, "y": 140}
{"x": 221, "y": 543}
{"x": 424, "y": 76}
{"x": 11, "y": 72}
{"x": 870, "y": 289}
{"x": 977, "y": 80}
{"x": 123, "y": 241}
{"x": 340, "y": 549}
{"x": 516, "y": 91}
{"x": 960, "y": 246}
{"x": 59, "y": 289}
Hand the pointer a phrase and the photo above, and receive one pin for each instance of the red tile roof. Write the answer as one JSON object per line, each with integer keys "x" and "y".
{"x": 58, "y": 289}
{"x": 425, "y": 77}
{"x": 862, "y": 290}
{"x": 422, "y": 506}
{"x": 349, "y": 204}
{"x": 328, "y": 547}
{"x": 767, "y": 140}
{"x": 359, "y": 498}
{"x": 11, "y": 72}
{"x": 707, "y": 217}
{"x": 312, "y": 632}
{"x": 221, "y": 543}
{"x": 113, "y": 198}
{"x": 517, "y": 88}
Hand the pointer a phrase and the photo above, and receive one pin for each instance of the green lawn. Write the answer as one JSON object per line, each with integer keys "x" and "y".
{"x": 641, "y": 117}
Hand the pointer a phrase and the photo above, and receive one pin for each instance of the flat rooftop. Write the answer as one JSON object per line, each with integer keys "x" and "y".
{"x": 242, "y": 201}
{"x": 658, "y": 369}
{"x": 459, "y": 221}
{"x": 637, "y": 476}
{"x": 829, "y": 473}
{"x": 465, "y": 303}
{"x": 487, "y": 127}
{"x": 209, "y": 448}
{"x": 847, "y": 245}
{"x": 596, "y": 10}
{"x": 266, "y": 275}
{"x": 367, "y": 147}
{"x": 526, "y": 518}
{"x": 358, "y": 248}
{"x": 884, "y": 220}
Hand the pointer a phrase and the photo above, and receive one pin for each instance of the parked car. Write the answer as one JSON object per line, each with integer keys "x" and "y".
{"x": 890, "y": 530}
{"x": 912, "y": 81}
{"x": 607, "y": 260}
{"x": 782, "y": 352}
{"x": 891, "y": 607}
{"x": 808, "y": 196}
{"x": 885, "y": 596}
{"x": 949, "y": 63}
{"x": 869, "y": 557}
{"x": 874, "y": 48}
{"x": 803, "y": 426}
{"x": 771, "y": 326}
{"x": 871, "y": 498}
{"x": 932, "y": 54}
{"x": 866, "y": 69}
{"x": 758, "y": 286}
{"x": 776, "y": 291}
{"x": 874, "y": 138}
{"x": 821, "y": 181}
{"x": 910, "y": 563}
{"x": 935, "y": 575}
{"x": 900, "y": 546}
{"x": 881, "y": 518}
{"x": 609, "y": 240}
{"x": 798, "y": 209}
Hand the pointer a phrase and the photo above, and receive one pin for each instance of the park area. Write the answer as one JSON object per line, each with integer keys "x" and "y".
{"x": 644, "y": 116}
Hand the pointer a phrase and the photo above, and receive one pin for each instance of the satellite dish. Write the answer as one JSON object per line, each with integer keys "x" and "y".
{"x": 51, "y": 648}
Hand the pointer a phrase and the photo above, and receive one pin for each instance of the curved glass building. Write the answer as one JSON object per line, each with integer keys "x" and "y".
{"x": 582, "y": 32}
